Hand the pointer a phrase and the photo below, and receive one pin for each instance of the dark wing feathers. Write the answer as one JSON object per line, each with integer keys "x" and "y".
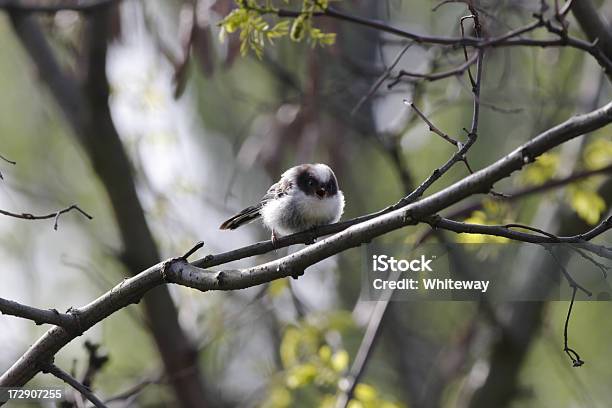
{"x": 243, "y": 217}
{"x": 253, "y": 212}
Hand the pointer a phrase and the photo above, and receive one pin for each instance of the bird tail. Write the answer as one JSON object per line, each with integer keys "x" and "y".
{"x": 243, "y": 217}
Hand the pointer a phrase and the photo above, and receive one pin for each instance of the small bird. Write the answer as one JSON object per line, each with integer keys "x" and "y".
{"x": 305, "y": 196}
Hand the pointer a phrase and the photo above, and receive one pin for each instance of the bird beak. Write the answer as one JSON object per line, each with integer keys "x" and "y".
{"x": 321, "y": 192}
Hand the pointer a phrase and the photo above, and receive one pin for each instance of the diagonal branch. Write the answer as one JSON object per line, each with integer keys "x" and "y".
{"x": 382, "y": 78}
{"x": 433, "y": 127}
{"x": 74, "y": 383}
{"x": 180, "y": 272}
{"x": 7, "y": 160}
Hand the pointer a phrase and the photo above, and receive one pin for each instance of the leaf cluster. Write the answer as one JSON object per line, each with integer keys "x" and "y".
{"x": 248, "y": 19}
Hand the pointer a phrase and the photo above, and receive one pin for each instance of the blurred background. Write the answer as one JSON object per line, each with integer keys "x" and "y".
{"x": 193, "y": 132}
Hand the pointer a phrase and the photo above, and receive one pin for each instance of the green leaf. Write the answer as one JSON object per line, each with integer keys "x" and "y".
{"x": 587, "y": 203}
{"x": 340, "y": 361}
{"x": 598, "y": 154}
{"x": 542, "y": 169}
{"x": 301, "y": 375}
{"x": 325, "y": 353}
{"x": 365, "y": 393}
{"x": 277, "y": 287}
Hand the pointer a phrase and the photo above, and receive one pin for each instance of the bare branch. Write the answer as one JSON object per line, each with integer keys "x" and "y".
{"x": 193, "y": 250}
{"x": 347, "y": 385}
{"x": 436, "y": 75}
{"x": 573, "y": 355}
{"x": 527, "y": 191}
{"x": 74, "y": 383}
{"x": 38, "y": 316}
{"x": 505, "y": 40}
{"x": 567, "y": 275}
{"x": 7, "y": 160}
{"x": 55, "y": 215}
{"x": 506, "y": 231}
{"x": 381, "y": 79}
{"x": 136, "y": 388}
{"x": 432, "y": 127}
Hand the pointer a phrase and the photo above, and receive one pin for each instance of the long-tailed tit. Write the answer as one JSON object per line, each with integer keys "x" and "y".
{"x": 305, "y": 196}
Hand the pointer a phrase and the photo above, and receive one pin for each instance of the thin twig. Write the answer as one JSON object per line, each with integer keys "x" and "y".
{"x": 137, "y": 388}
{"x": 572, "y": 354}
{"x": 74, "y": 383}
{"x": 381, "y": 79}
{"x": 347, "y": 385}
{"x": 55, "y": 215}
{"x": 459, "y": 70}
{"x": 7, "y": 160}
{"x": 603, "y": 268}
{"x": 432, "y": 127}
{"x": 567, "y": 275}
{"x": 527, "y": 227}
{"x": 505, "y": 231}
{"x": 465, "y": 52}
{"x": 193, "y": 250}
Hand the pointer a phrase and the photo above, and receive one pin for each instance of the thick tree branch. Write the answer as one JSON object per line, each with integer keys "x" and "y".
{"x": 180, "y": 272}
